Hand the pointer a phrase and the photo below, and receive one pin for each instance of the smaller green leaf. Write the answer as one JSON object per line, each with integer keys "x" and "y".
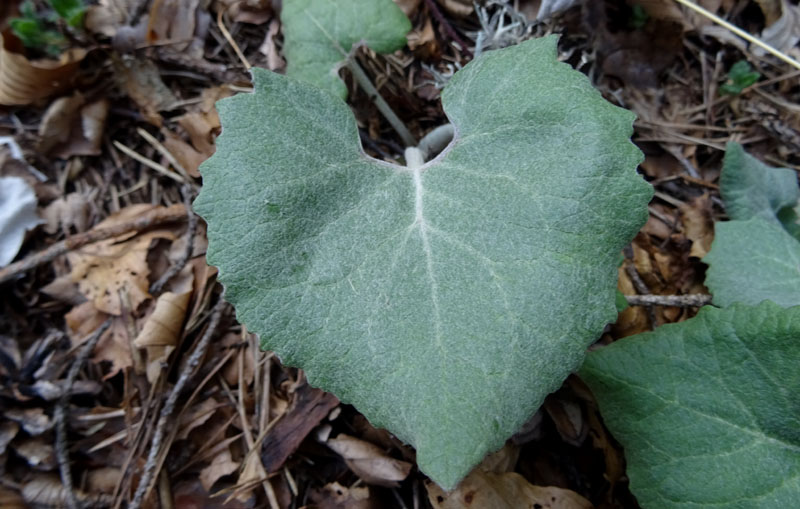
{"x": 751, "y": 261}
{"x": 319, "y": 36}
{"x": 621, "y": 302}
{"x": 71, "y": 11}
{"x": 740, "y": 77}
{"x": 751, "y": 188}
{"x": 755, "y": 256}
{"x": 708, "y": 410}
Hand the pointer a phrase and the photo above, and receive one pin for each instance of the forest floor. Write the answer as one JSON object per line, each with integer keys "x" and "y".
{"x": 112, "y": 156}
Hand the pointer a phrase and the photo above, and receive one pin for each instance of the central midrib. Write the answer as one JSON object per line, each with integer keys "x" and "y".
{"x": 419, "y": 222}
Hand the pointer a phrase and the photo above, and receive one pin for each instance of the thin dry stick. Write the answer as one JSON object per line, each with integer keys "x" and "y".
{"x": 229, "y": 38}
{"x": 149, "y": 219}
{"x": 149, "y": 138}
{"x": 62, "y": 454}
{"x": 191, "y": 230}
{"x": 741, "y": 33}
{"x": 149, "y": 162}
{"x": 692, "y": 300}
{"x": 188, "y": 369}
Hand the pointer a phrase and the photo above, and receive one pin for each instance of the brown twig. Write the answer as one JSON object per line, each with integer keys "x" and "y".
{"x": 149, "y": 219}
{"x": 447, "y": 27}
{"x": 62, "y": 454}
{"x": 692, "y": 300}
{"x": 169, "y": 406}
{"x": 191, "y": 230}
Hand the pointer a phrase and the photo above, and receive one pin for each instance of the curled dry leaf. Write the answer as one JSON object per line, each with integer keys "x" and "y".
{"x": 24, "y": 81}
{"x": 503, "y": 491}
{"x": 567, "y": 415}
{"x": 369, "y": 462}
{"x": 335, "y": 496}
{"x": 69, "y": 211}
{"x": 197, "y": 416}
{"x": 71, "y": 126}
{"x": 220, "y": 466}
{"x": 140, "y": 79}
{"x": 698, "y": 224}
{"x": 459, "y": 8}
{"x": 784, "y": 33}
{"x": 162, "y": 329}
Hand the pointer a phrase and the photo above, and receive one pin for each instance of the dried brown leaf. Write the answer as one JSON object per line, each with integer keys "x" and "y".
{"x": 70, "y": 211}
{"x": 162, "y": 329}
{"x": 698, "y": 225}
{"x": 335, "y": 496}
{"x": 784, "y": 33}
{"x": 220, "y": 466}
{"x": 503, "y": 491}
{"x": 106, "y": 269}
{"x": 141, "y": 81}
{"x": 369, "y": 462}
{"x": 24, "y": 81}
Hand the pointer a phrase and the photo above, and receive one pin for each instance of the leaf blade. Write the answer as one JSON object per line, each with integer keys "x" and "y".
{"x": 715, "y": 394}
{"x": 413, "y": 294}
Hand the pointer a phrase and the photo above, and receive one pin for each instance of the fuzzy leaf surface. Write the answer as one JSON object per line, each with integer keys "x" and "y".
{"x": 319, "y": 35}
{"x": 446, "y": 302}
{"x": 756, "y": 256}
{"x": 751, "y": 261}
{"x": 751, "y": 188}
{"x": 708, "y": 410}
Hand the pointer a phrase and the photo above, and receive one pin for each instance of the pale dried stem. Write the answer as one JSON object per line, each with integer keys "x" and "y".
{"x": 692, "y": 300}
{"x": 365, "y": 83}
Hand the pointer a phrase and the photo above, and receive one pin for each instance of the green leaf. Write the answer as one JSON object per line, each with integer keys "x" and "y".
{"x": 740, "y": 77}
{"x": 319, "y": 35}
{"x": 751, "y": 261}
{"x": 71, "y": 11}
{"x": 708, "y": 410}
{"x": 750, "y": 188}
{"x": 443, "y": 302}
{"x": 621, "y": 302}
{"x": 755, "y": 256}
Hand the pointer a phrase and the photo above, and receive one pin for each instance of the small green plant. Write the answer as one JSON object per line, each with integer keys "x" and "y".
{"x": 638, "y": 17}
{"x": 740, "y": 77}
{"x": 39, "y": 31}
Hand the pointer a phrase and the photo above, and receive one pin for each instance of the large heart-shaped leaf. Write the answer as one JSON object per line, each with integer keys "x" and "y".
{"x": 443, "y": 302}
{"x": 708, "y": 410}
{"x": 319, "y": 35}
